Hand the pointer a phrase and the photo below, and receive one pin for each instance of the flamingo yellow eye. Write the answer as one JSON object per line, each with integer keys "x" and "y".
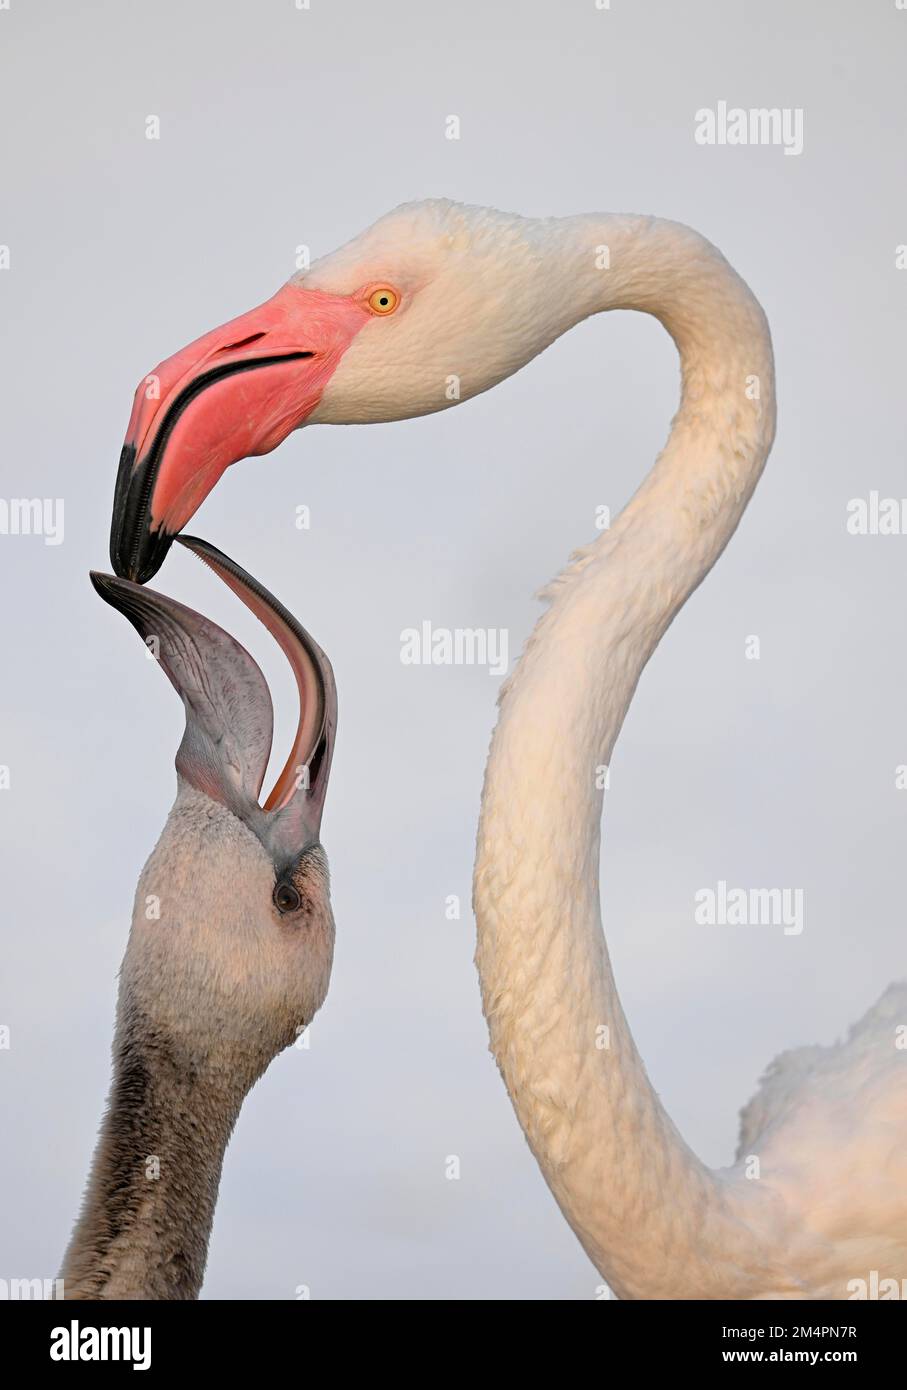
{"x": 383, "y": 300}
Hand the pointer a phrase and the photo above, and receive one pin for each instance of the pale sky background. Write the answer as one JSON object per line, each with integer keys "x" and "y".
{"x": 281, "y": 127}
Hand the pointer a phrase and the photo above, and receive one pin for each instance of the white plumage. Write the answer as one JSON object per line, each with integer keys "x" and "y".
{"x": 483, "y": 293}
{"x": 824, "y": 1203}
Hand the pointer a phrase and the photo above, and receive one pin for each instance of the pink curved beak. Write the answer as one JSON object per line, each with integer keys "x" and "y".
{"x": 234, "y": 393}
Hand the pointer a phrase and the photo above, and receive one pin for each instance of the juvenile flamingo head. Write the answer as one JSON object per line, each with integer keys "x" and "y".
{"x": 232, "y": 932}
{"x": 433, "y": 304}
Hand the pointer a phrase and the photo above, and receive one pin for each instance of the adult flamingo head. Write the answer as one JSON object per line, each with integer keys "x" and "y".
{"x": 433, "y": 304}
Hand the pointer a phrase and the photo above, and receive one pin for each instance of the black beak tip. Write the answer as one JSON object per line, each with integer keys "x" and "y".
{"x": 100, "y": 582}
{"x": 204, "y": 549}
{"x": 141, "y": 560}
{"x": 110, "y": 588}
{"x": 136, "y": 552}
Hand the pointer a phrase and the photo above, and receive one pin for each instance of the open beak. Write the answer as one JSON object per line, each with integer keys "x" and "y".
{"x": 229, "y": 716}
{"x": 309, "y": 760}
{"x": 234, "y": 393}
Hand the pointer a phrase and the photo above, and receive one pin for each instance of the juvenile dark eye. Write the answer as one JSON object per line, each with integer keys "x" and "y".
{"x": 286, "y": 898}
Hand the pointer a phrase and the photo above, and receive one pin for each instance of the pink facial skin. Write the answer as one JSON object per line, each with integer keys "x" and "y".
{"x": 190, "y": 442}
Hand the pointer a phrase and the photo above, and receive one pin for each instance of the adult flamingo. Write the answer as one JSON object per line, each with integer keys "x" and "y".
{"x": 436, "y": 294}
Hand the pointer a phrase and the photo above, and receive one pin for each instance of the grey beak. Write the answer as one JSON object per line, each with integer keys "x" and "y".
{"x": 229, "y": 715}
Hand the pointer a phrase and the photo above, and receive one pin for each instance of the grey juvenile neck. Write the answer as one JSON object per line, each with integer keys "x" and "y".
{"x": 146, "y": 1218}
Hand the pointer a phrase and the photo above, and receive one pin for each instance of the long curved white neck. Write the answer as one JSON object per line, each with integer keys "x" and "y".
{"x": 650, "y": 1215}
